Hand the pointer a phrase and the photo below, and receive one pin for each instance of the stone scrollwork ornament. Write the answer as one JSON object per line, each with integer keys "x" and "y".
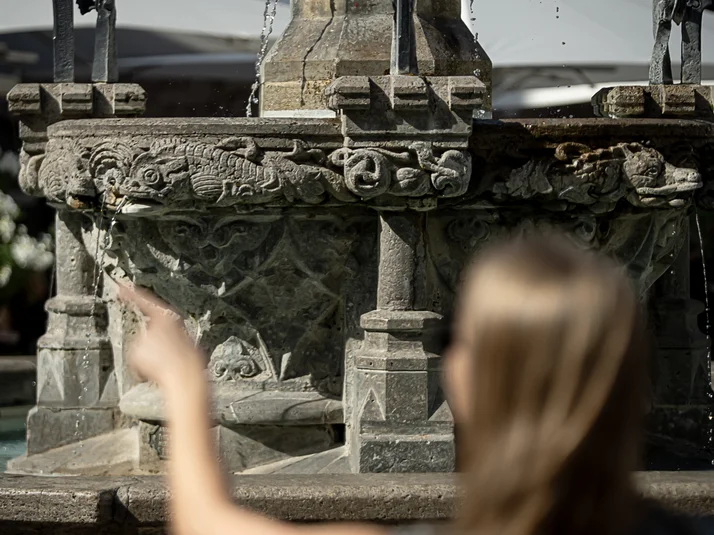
{"x": 236, "y": 360}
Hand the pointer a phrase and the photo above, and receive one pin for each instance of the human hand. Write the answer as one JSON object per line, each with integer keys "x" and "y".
{"x": 164, "y": 353}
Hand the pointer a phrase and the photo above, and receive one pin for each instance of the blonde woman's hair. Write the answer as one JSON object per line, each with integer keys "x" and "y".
{"x": 559, "y": 382}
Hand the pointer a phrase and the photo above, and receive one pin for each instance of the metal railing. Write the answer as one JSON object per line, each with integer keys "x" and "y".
{"x": 104, "y": 68}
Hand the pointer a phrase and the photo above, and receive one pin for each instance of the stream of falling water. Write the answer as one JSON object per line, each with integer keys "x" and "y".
{"x": 271, "y": 9}
{"x": 472, "y": 19}
{"x": 710, "y": 393}
{"x": 100, "y": 250}
{"x": 706, "y": 286}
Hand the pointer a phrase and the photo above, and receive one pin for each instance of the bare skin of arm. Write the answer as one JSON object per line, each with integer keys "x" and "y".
{"x": 200, "y": 502}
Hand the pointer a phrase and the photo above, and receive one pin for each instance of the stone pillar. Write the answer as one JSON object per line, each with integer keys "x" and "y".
{"x": 76, "y": 388}
{"x": 327, "y": 39}
{"x": 399, "y": 421}
{"x": 76, "y": 385}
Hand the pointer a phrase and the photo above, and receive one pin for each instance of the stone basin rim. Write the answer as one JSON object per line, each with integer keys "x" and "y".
{"x": 288, "y": 127}
{"x": 29, "y": 501}
{"x": 196, "y": 126}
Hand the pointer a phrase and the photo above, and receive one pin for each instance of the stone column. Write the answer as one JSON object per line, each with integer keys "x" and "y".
{"x": 76, "y": 386}
{"x": 398, "y": 419}
{"x": 327, "y": 39}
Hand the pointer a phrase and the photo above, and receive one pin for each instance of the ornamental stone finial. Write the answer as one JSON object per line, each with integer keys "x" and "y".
{"x": 328, "y": 39}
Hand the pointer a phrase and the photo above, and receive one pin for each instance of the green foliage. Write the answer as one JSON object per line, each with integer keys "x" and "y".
{"x": 20, "y": 253}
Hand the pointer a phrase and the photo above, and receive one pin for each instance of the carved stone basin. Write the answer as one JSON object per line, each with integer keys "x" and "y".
{"x": 313, "y": 259}
{"x": 313, "y": 264}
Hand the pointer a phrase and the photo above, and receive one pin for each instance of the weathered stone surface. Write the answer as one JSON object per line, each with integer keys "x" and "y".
{"x": 200, "y": 171}
{"x": 269, "y": 166}
{"x": 655, "y": 101}
{"x": 326, "y": 40}
{"x": 234, "y": 407}
{"x": 133, "y": 505}
{"x": 49, "y": 428}
{"x": 437, "y": 109}
{"x": 114, "y": 453}
{"x": 382, "y": 498}
{"x": 690, "y": 492}
{"x": 79, "y": 501}
{"x": 268, "y": 195}
{"x": 333, "y": 461}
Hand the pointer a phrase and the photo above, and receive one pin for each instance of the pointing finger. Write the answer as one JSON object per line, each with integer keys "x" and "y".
{"x": 148, "y": 304}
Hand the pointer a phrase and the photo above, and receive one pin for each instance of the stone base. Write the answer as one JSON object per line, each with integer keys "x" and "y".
{"x": 405, "y": 453}
{"x": 129, "y": 452}
{"x": 112, "y": 454}
{"x": 130, "y": 506}
{"x": 245, "y": 447}
{"x": 49, "y": 428}
{"x": 654, "y": 101}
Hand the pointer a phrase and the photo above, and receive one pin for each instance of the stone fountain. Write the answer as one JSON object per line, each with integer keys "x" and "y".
{"x": 314, "y": 251}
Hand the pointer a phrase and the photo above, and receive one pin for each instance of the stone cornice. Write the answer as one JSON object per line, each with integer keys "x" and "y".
{"x": 208, "y": 164}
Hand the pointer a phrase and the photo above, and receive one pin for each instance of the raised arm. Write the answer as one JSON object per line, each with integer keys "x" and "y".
{"x": 200, "y": 503}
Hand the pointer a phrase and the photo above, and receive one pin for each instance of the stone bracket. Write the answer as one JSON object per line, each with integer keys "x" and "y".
{"x": 394, "y": 107}
{"x": 654, "y": 101}
{"x": 72, "y": 100}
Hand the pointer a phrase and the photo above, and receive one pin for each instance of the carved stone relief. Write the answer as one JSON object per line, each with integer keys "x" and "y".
{"x": 600, "y": 178}
{"x": 267, "y": 295}
{"x": 237, "y": 171}
{"x": 646, "y": 242}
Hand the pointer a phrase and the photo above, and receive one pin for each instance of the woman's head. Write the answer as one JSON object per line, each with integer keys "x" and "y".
{"x": 546, "y": 372}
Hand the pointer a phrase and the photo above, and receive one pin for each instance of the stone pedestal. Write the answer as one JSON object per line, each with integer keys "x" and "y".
{"x": 400, "y": 421}
{"x": 328, "y": 39}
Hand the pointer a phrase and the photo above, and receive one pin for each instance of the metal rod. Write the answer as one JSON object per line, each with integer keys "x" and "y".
{"x": 403, "y": 54}
{"x": 63, "y": 40}
{"x": 105, "y": 67}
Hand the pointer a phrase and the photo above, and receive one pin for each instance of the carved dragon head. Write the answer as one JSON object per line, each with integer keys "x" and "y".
{"x": 154, "y": 175}
{"x": 655, "y": 181}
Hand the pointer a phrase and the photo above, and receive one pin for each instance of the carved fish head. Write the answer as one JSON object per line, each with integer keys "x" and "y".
{"x": 656, "y": 181}
{"x": 154, "y": 176}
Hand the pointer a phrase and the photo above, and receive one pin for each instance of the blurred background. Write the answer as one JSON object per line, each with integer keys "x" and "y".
{"x": 198, "y": 59}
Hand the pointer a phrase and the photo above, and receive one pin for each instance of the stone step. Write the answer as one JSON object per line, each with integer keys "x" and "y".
{"x": 104, "y": 455}
{"x": 130, "y": 505}
{"x": 332, "y": 461}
